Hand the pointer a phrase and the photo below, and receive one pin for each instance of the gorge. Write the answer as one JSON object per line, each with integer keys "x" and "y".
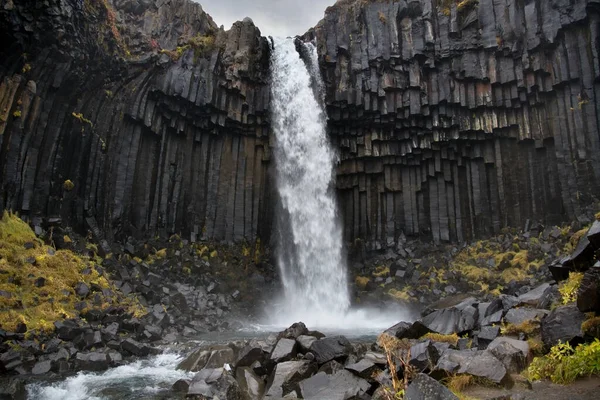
{"x": 406, "y": 156}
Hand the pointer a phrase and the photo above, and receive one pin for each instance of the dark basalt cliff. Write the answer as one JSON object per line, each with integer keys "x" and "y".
{"x": 453, "y": 120}
{"x": 153, "y": 140}
{"x": 456, "y": 120}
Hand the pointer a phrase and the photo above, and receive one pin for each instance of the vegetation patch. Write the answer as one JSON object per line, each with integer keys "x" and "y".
{"x": 563, "y": 364}
{"x": 400, "y": 294}
{"x": 568, "y": 288}
{"x": 438, "y": 337}
{"x": 526, "y": 327}
{"x": 591, "y": 327}
{"x": 38, "y": 284}
{"x": 362, "y": 282}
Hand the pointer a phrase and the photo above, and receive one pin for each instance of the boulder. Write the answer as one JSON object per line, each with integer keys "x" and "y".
{"x": 305, "y": 341}
{"x": 214, "y": 383}
{"x": 254, "y": 351}
{"x": 250, "y": 383}
{"x": 563, "y": 324}
{"x": 208, "y": 357}
{"x": 181, "y": 386}
{"x": 517, "y": 316}
{"x": 331, "y": 348}
{"x": 535, "y": 297}
{"x": 481, "y": 363}
{"x": 513, "y": 354}
{"x": 423, "y": 356}
{"x": 364, "y": 369}
{"x": 91, "y": 361}
{"x": 294, "y": 331}
{"x": 41, "y": 367}
{"x": 67, "y": 329}
{"x": 13, "y": 389}
{"x": 376, "y": 358}
{"x": 424, "y": 387}
{"x": 407, "y": 330}
{"x": 342, "y": 385}
{"x": 588, "y": 294}
{"x": 486, "y": 336}
{"x": 284, "y": 350}
{"x": 286, "y": 376}
{"x": 135, "y": 348}
{"x": 456, "y": 319}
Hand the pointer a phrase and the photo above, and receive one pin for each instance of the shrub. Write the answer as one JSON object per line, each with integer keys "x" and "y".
{"x": 563, "y": 364}
{"x": 438, "y": 337}
{"x": 568, "y": 288}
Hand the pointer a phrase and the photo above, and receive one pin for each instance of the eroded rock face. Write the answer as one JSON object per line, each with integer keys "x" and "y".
{"x": 162, "y": 128}
{"x": 454, "y": 123}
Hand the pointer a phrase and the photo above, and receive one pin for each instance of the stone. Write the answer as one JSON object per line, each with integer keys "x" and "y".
{"x": 342, "y": 385}
{"x": 364, "y": 369}
{"x": 517, "y": 316}
{"x": 424, "y": 387}
{"x": 294, "y": 331}
{"x": 209, "y": 357}
{"x": 41, "y": 367}
{"x": 423, "y": 356}
{"x": 513, "y": 354}
{"x": 82, "y": 290}
{"x": 214, "y": 383}
{"x": 535, "y": 297}
{"x": 135, "y": 348}
{"x": 563, "y": 324}
{"x": 250, "y": 383}
{"x": 481, "y": 363}
{"x": 486, "y": 336}
{"x": 588, "y": 294}
{"x": 376, "y": 358}
{"x": 181, "y": 386}
{"x": 457, "y": 319}
{"x": 305, "y": 341}
{"x": 285, "y": 377}
{"x": 91, "y": 361}
{"x": 284, "y": 350}
{"x": 67, "y": 329}
{"x": 254, "y": 351}
{"x": 407, "y": 330}
{"x": 331, "y": 348}
{"x": 13, "y": 389}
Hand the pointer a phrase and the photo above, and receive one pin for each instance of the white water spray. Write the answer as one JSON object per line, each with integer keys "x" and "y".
{"x": 310, "y": 250}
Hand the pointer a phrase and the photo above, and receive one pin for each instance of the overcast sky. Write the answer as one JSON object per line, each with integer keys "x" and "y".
{"x": 273, "y": 17}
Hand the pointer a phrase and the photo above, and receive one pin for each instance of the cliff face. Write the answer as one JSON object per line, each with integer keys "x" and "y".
{"x": 155, "y": 115}
{"x": 455, "y": 120}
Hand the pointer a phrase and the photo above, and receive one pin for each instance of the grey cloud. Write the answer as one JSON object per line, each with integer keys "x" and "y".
{"x": 273, "y": 17}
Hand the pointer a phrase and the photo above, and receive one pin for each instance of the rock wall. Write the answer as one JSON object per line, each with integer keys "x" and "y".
{"x": 156, "y": 116}
{"x": 456, "y": 119}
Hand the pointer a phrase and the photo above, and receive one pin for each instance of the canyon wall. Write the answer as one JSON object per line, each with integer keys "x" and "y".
{"x": 452, "y": 119}
{"x": 456, "y": 119}
{"x": 156, "y": 116}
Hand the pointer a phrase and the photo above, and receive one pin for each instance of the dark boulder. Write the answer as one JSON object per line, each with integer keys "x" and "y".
{"x": 456, "y": 319}
{"x": 67, "y": 329}
{"x": 481, "y": 363}
{"x": 342, "y": 385}
{"x": 486, "y": 336}
{"x": 424, "y": 387}
{"x": 214, "y": 383}
{"x": 517, "y": 316}
{"x": 563, "y": 324}
{"x": 513, "y": 354}
{"x": 91, "y": 361}
{"x": 364, "y": 369}
{"x": 41, "y": 367}
{"x": 254, "y": 351}
{"x": 536, "y": 297}
{"x": 135, "y": 348}
{"x": 331, "y": 348}
{"x": 588, "y": 294}
{"x": 286, "y": 376}
{"x": 407, "y": 330}
{"x": 305, "y": 341}
{"x": 208, "y": 357}
{"x": 294, "y": 331}
{"x": 181, "y": 386}
{"x": 12, "y": 389}
{"x": 423, "y": 356}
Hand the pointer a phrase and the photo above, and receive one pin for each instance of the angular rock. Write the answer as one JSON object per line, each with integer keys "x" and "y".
{"x": 342, "y": 385}
{"x": 294, "y": 331}
{"x": 423, "y": 356}
{"x": 305, "y": 341}
{"x": 13, "y": 389}
{"x": 481, "y": 363}
{"x": 517, "y": 316}
{"x": 535, "y": 297}
{"x": 457, "y": 319}
{"x": 250, "y": 383}
{"x": 181, "y": 386}
{"x": 214, "y": 383}
{"x": 513, "y": 354}
{"x": 286, "y": 376}
{"x": 253, "y": 352}
{"x": 588, "y": 294}
{"x": 331, "y": 348}
{"x": 135, "y": 348}
{"x": 91, "y": 361}
{"x": 41, "y": 367}
{"x": 486, "y": 336}
{"x": 563, "y": 324}
{"x": 284, "y": 350}
{"x": 364, "y": 369}
{"x": 424, "y": 387}
{"x": 407, "y": 330}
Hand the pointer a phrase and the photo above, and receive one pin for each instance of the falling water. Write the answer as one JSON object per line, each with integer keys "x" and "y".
{"x": 310, "y": 246}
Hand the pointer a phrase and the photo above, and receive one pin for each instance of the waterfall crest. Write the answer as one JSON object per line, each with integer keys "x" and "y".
{"x": 310, "y": 246}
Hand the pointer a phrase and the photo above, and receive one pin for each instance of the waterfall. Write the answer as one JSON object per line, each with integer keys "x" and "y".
{"x": 310, "y": 246}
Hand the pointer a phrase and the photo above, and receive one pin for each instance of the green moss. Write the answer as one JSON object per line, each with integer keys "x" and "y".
{"x": 401, "y": 295}
{"x": 591, "y": 327}
{"x": 361, "y": 282}
{"x": 526, "y": 327}
{"x": 68, "y": 185}
{"x": 34, "y": 304}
